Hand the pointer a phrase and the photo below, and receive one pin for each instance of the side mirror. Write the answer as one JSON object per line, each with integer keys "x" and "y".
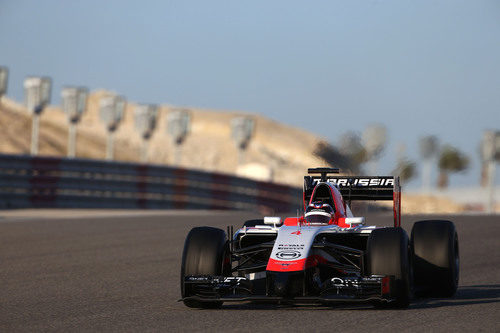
{"x": 354, "y": 221}
{"x": 272, "y": 220}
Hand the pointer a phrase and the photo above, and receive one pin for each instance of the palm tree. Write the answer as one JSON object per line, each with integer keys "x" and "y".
{"x": 450, "y": 160}
{"x": 334, "y": 157}
{"x": 405, "y": 169}
{"x": 348, "y": 155}
{"x": 350, "y": 145}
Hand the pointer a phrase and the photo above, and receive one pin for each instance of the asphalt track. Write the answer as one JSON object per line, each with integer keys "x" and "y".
{"x": 75, "y": 271}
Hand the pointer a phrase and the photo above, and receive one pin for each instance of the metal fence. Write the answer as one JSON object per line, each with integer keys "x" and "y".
{"x": 44, "y": 182}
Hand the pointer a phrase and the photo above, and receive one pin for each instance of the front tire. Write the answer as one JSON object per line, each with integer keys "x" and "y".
{"x": 436, "y": 258}
{"x": 388, "y": 254}
{"x": 204, "y": 252}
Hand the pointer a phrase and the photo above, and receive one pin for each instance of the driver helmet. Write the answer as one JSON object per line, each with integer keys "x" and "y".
{"x": 319, "y": 212}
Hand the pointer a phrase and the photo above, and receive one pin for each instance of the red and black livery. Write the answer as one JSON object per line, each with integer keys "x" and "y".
{"x": 332, "y": 257}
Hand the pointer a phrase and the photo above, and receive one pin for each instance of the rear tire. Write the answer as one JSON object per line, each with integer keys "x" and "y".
{"x": 204, "y": 252}
{"x": 388, "y": 254}
{"x": 436, "y": 258}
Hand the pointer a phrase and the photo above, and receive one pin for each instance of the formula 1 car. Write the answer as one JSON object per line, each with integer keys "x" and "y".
{"x": 325, "y": 255}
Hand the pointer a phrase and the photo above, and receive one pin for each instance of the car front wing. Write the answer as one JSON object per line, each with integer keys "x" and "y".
{"x": 207, "y": 288}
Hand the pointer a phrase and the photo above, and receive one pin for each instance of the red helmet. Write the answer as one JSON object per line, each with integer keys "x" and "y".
{"x": 319, "y": 212}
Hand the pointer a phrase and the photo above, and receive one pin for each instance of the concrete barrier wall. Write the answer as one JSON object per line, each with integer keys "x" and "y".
{"x": 51, "y": 182}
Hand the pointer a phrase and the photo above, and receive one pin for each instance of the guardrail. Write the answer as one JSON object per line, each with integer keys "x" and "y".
{"x": 52, "y": 182}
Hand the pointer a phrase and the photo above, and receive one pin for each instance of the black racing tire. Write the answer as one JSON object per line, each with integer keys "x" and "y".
{"x": 388, "y": 254}
{"x": 253, "y": 223}
{"x": 204, "y": 252}
{"x": 436, "y": 258}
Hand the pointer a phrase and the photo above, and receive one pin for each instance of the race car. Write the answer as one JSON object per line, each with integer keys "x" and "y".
{"x": 325, "y": 255}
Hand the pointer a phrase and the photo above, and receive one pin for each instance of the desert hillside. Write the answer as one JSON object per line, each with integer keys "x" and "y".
{"x": 276, "y": 152}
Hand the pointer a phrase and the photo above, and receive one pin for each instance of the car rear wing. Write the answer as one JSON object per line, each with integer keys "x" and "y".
{"x": 356, "y": 188}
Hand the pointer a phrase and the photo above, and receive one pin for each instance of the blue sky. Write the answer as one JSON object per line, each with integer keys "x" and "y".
{"x": 418, "y": 67}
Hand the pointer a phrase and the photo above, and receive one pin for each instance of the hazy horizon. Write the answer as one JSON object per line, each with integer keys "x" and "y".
{"x": 419, "y": 68}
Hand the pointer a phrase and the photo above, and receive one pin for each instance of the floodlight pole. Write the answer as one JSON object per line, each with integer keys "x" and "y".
{"x": 37, "y": 95}
{"x": 112, "y": 108}
{"x": 35, "y": 125}
{"x": 241, "y": 155}
{"x": 4, "y": 76}
{"x": 178, "y": 154}
{"x": 110, "y": 144}
{"x": 74, "y": 101}
{"x": 72, "y": 139}
{"x": 242, "y": 131}
{"x": 145, "y": 122}
{"x": 178, "y": 123}
{"x": 144, "y": 148}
